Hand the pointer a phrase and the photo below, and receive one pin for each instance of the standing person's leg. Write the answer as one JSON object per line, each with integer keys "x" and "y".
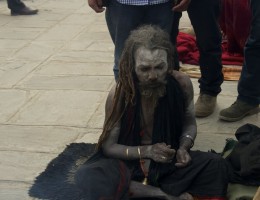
{"x": 249, "y": 83}
{"x": 15, "y": 4}
{"x": 204, "y": 15}
{"x": 174, "y": 33}
{"x": 17, "y": 7}
{"x": 165, "y": 17}
{"x": 248, "y": 99}
{"x": 121, "y": 20}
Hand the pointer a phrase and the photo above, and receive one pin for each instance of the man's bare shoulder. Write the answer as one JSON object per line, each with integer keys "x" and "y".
{"x": 115, "y": 98}
{"x": 183, "y": 79}
{"x": 186, "y": 85}
{"x": 111, "y": 93}
{"x": 110, "y": 99}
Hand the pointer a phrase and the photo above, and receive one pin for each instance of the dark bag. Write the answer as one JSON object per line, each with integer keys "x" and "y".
{"x": 244, "y": 160}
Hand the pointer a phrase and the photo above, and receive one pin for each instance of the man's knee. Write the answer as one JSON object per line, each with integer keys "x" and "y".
{"x": 82, "y": 178}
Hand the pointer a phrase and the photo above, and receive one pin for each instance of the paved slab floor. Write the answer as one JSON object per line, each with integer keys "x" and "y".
{"x": 55, "y": 73}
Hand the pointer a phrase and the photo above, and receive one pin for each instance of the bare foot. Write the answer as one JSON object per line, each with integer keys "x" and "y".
{"x": 169, "y": 197}
{"x": 186, "y": 196}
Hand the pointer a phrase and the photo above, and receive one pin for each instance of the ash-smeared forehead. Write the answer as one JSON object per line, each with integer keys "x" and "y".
{"x": 150, "y": 57}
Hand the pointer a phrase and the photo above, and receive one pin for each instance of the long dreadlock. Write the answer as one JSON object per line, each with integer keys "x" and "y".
{"x": 150, "y": 37}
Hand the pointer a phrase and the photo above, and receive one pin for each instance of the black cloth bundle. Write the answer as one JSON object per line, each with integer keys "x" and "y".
{"x": 244, "y": 160}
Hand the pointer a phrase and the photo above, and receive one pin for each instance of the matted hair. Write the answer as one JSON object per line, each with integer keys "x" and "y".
{"x": 148, "y": 36}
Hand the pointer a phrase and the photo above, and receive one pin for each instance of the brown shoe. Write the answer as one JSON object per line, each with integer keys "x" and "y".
{"x": 24, "y": 11}
{"x": 205, "y": 105}
{"x": 238, "y": 111}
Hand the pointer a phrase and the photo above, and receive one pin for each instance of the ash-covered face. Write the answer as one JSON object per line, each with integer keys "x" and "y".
{"x": 151, "y": 65}
{"x": 151, "y": 68}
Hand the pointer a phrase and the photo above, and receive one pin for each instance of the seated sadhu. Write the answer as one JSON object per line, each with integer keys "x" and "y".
{"x": 144, "y": 150}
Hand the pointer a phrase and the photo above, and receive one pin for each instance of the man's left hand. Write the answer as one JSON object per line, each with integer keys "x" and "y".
{"x": 96, "y": 5}
{"x": 181, "y": 6}
{"x": 182, "y": 158}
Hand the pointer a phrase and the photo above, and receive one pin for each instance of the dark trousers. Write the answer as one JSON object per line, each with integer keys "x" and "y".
{"x": 249, "y": 83}
{"x": 122, "y": 19}
{"x": 204, "y": 15}
{"x": 109, "y": 179}
{"x": 15, "y": 4}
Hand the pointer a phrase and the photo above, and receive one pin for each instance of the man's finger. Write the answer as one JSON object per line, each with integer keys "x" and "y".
{"x": 168, "y": 151}
{"x": 163, "y": 144}
{"x": 98, "y": 9}
{"x": 96, "y": 5}
{"x": 182, "y": 6}
{"x": 179, "y": 164}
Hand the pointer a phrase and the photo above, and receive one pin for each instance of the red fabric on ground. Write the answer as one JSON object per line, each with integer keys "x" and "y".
{"x": 189, "y": 53}
{"x": 187, "y": 49}
{"x": 235, "y": 23}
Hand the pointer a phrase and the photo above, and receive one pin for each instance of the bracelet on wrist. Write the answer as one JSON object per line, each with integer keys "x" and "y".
{"x": 190, "y": 138}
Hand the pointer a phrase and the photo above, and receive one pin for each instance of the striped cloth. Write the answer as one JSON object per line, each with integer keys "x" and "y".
{"x": 141, "y": 2}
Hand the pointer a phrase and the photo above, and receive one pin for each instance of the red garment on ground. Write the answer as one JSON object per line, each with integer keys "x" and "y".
{"x": 235, "y": 23}
{"x": 189, "y": 53}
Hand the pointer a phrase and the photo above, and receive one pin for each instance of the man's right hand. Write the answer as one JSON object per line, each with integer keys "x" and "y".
{"x": 96, "y": 5}
{"x": 161, "y": 152}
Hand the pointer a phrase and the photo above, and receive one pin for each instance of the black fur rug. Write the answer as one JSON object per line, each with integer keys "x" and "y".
{"x": 57, "y": 181}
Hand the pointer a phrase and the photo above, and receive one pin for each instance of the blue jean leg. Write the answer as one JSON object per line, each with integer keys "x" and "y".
{"x": 204, "y": 15}
{"x": 174, "y": 33}
{"x": 122, "y": 19}
{"x": 249, "y": 82}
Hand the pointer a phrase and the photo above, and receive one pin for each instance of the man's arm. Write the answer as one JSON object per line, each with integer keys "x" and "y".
{"x": 110, "y": 146}
{"x": 189, "y": 125}
{"x": 189, "y": 132}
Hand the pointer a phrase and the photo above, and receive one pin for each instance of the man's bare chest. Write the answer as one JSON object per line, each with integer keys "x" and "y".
{"x": 147, "y": 120}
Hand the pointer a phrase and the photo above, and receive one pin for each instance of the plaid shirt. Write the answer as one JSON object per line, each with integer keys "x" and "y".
{"x": 142, "y": 2}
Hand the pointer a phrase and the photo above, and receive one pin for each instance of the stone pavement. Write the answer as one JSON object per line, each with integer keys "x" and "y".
{"x": 55, "y": 73}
